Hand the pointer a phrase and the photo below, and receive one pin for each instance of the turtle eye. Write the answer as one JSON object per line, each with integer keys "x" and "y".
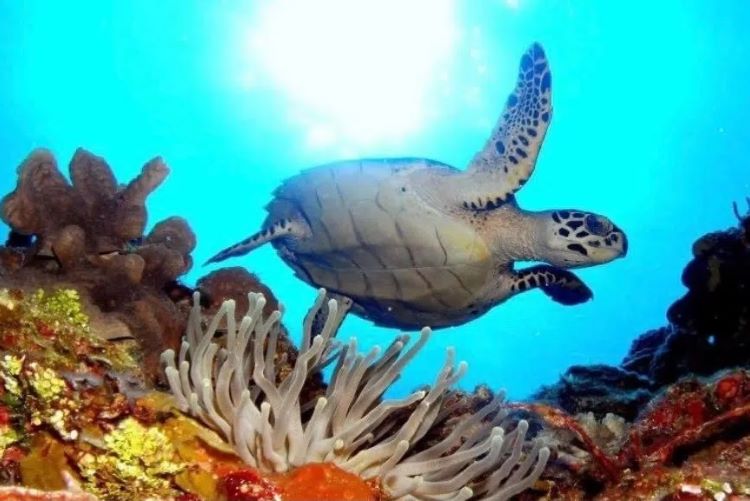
{"x": 597, "y": 225}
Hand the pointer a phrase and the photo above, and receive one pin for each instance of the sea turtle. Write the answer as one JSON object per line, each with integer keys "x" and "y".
{"x": 414, "y": 242}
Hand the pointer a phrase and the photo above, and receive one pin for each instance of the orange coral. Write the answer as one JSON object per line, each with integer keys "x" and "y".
{"x": 310, "y": 482}
{"x": 325, "y": 481}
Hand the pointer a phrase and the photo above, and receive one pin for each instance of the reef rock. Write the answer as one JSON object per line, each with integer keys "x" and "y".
{"x": 683, "y": 391}
{"x": 710, "y": 325}
{"x": 709, "y": 331}
{"x": 600, "y": 389}
{"x": 691, "y": 439}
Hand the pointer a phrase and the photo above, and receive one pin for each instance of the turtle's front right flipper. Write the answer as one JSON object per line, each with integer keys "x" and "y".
{"x": 283, "y": 228}
{"x": 561, "y": 285}
{"x": 509, "y": 156}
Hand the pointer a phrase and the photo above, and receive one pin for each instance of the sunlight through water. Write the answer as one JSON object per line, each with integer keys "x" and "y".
{"x": 359, "y": 71}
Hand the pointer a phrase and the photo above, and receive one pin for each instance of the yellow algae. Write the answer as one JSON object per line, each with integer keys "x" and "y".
{"x": 8, "y": 436}
{"x": 12, "y": 364}
{"x": 136, "y": 460}
{"x": 53, "y": 327}
{"x": 6, "y": 301}
{"x": 46, "y": 383}
{"x": 11, "y": 369}
{"x": 63, "y": 305}
{"x": 54, "y": 405}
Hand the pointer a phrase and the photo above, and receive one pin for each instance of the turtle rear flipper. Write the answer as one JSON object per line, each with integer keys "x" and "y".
{"x": 561, "y": 285}
{"x": 288, "y": 227}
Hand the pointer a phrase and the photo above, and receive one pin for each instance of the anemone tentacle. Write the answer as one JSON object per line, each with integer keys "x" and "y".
{"x": 231, "y": 386}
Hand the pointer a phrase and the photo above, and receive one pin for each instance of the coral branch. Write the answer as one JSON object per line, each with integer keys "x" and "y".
{"x": 696, "y": 434}
{"x": 560, "y": 419}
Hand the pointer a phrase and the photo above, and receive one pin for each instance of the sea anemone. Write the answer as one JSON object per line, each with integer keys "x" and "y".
{"x": 232, "y": 385}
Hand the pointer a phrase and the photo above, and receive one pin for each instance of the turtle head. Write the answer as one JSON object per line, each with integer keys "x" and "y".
{"x": 574, "y": 239}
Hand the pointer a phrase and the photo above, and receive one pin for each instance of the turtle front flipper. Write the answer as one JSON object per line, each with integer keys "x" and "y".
{"x": 507, "y": 160}
{"x": 561, "y": 285}
{"x": 288, "y": 227}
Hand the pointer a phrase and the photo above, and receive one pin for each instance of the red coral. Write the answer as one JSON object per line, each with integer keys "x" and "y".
{"x": 688, "y": 413}
{"x": 729, "y": 388}
{"x": 4, "y": 415}
{"x": 558, "y": 418}
{"x": 13, "y": 454}
{"x": 186, "y": 496}
{"x": 45, "y": 330}
{"x": 247, "y": 485}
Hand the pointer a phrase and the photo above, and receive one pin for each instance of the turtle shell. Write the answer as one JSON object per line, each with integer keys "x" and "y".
{"x": 403, "y": 262}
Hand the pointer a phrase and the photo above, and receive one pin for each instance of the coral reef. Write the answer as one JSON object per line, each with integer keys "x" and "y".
{"x": 77, "y": 420}
{"x": 92, "y": 216}
{"x": 88, "y": 301}
{"x": 232, "y": 388}
{"x": 89, "y": 235}
{"x": 685, "y": 437}
{"x": 599, "y": 389}
{"x": 682, "y": 441}
{"x": 709, "y": 331}
{"x": 75, "y": 423}
{"x": 62, "y": 388}
{"x": 53, "y": 327}
{"x": 233, "y": 283}
{"x": 710, "y": 325}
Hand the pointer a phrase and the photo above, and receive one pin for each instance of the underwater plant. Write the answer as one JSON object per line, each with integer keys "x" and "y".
{"x": 232, "y": 384}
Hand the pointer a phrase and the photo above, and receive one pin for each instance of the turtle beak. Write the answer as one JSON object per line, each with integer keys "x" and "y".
{"x": 623, "y": 240}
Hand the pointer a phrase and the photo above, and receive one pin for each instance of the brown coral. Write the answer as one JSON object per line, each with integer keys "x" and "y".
{"x": 39, "y": 180}
{"x": 88, "y": 234}
{"x": 44, "y": 204}
{"x": 233, "y": 283}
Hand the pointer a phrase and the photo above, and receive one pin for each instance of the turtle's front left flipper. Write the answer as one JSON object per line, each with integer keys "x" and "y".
{"x": 561, "y": 285}
{"x": 289, "y": 227}
{"x": 320, "y": 316}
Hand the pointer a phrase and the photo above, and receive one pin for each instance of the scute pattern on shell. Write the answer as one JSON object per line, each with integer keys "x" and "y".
{"x": 375, "y": 240}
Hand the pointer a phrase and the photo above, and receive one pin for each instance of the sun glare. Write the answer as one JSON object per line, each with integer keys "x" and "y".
{"x": 354, "y": 71}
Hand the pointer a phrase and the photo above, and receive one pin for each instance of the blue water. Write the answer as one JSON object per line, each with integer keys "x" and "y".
{"x": 650, "y": 128}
